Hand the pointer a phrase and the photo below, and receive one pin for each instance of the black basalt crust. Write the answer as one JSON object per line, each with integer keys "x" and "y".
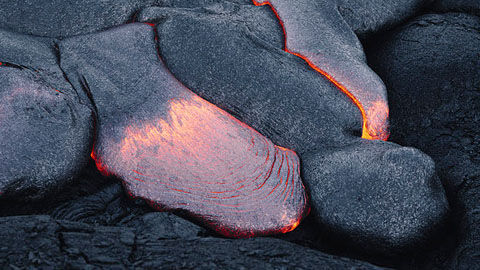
{"x": 296, "y": 107}
{"x": 74, "y": 70}
{"x": 63, "y": 18}
{"x": 75, "y": 245}
{"x": 45, "y": 128}
{"x": 432, "y": 67}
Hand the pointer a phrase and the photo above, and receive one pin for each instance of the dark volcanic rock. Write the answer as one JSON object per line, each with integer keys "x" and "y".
{"x": 107, "y": 207}
{"x": 379, "y": 197}
{"x": 367, "y": 17}
{"x": 45, "y": 130}
{"x": 317, "y": 33}
{"x": 40, "y": 242}
{"x": 467, "y": 6}
{"x": 432, "y": 69}
{"x": 60, "y": 18}
{"x": 175, "y": 149}
{"x": 295, "y": 106}
{"x": 112, "y": 207}
{"x": 276, "y": 93}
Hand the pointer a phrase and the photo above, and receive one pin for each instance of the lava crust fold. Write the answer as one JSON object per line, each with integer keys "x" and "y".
{"x": 175, "y": 149}
{"x": 368, "y": 193}
{"x": 45, "y": 128}
{"x": 321, "y": 37}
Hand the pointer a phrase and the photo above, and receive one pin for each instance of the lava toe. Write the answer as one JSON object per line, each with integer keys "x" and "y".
{"x": 175, "y": 149}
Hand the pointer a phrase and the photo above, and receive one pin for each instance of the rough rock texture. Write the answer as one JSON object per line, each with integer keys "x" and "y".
{"x": 364, "y": 194}
{"x": 317, "y": 33}
{"x": 440, "y": 112}
{"x": 112, "y": 207}
{"x": 74, "y": 245}
{"x": 431, "y": 67}
{"x": 364, "y": 17}
{"x": 367, "y": 17}
{"x": 467, "y": 6}
{"x": 60, "y": 18}
{"x": 45, "y": 129}
{"x": 175, "y": 149}
{"x": 274, "y": 92}
{"x": 296, "y": 107}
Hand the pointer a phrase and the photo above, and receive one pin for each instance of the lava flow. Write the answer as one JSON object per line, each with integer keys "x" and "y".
{"x": 201, "y": 160}
{"x": 304, "y": 38}
{"x": 182, "y": 153}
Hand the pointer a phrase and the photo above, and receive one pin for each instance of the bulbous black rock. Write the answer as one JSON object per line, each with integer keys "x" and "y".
{"x": 432, "y": 67}
{"x": 295, "y": 106}
{"x": 45, "y": 129}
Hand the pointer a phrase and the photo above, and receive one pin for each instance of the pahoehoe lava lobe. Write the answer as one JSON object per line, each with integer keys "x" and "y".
{"x": 444, "y": 112}
{"x": 45, "y": 130}
{"x": 282, "y": 97}
{"x": 175, "y": 149}
{"x": 309, "y": 27}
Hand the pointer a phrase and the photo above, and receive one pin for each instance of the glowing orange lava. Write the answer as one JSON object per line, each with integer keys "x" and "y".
{"x": 200, "y": 159}
{"x": 375, "y": 118}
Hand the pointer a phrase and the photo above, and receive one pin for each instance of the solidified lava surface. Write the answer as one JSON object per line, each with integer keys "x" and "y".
{"x": 177, "y": 150}
{"x": 135, "y": 134}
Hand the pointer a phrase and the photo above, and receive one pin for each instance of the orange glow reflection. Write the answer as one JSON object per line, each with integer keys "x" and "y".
{"x": 200, "y": 159}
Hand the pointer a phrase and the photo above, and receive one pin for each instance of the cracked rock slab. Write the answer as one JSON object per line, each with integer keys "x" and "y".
{"x": 111, "y": 207}
{"x": 41, "y": 242}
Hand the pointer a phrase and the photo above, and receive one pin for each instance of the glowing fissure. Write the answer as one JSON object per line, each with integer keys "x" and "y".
{"x": 200, "y": 159}
{"x": 374, "y": 111}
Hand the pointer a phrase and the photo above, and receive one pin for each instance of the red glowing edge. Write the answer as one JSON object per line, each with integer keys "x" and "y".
{"x": 365, "y": 133}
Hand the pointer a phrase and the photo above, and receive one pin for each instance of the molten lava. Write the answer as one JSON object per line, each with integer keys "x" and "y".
{"x": 302, "y": 39}
{"x": 180, "y": 152}
{"x": 202, "y": 160}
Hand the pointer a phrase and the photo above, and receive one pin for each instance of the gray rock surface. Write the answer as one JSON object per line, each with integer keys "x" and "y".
{"x": 290, "y": 92}
{"x": 59, "y": 18}
{"x": 431, "y": 67}
{"x": 467, "y": 6}
{"x": 45, "y": 129}
{"x": 380, "y": 197}
{"x": 74, "y": 245}
{"x": 367, "y": 17}
{"x": 176, "y": 150}
{"x": 296, "y": 107}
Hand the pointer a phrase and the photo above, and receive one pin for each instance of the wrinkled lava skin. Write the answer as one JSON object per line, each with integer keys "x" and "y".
{"x": 175, "y": 149}
{"x": 45, "y": 132}
{"x": 305, "y": 22}
{"x": 355, "y": 184}
{"x": 149, "y": 125}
